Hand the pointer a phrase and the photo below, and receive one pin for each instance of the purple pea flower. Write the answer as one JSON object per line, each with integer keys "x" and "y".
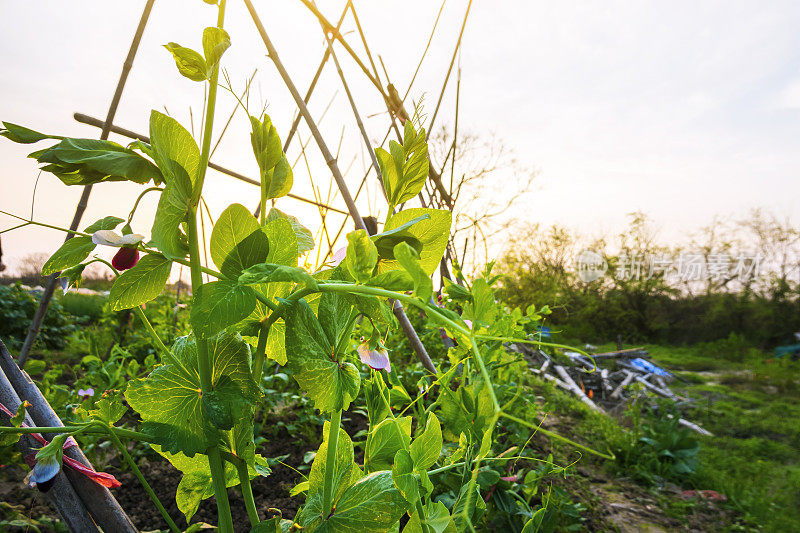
{"x": 47, "y": 464}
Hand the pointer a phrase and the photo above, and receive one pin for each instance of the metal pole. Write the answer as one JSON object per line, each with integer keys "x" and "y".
{"x": 38, "y": 317}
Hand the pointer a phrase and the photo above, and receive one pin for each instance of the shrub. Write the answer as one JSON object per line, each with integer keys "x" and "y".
{"x": 86, "y": 306}
{"x": 17, "y": 307}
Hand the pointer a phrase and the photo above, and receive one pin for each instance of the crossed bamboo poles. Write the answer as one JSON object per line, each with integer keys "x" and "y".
{"x": 108, "y": 510}
{"x": 333, "y": 31}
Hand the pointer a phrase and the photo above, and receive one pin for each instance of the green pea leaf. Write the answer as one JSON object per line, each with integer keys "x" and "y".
{"x": 108, "y": 410}
{"x": 190, "y": 64}
{"x": 237, "y": 241}
{"x": 178, "y": 157}
{"x": 386, "y": 241}
{"x": 404, "y": 478}
{"x": 305, "y": 239}
{"x": 222, "y": 406}
{"x": 375, "y": 391}
{"x": 195, "y": 485}
{"x": 330, "y": 380}
{"x": 335, "y": 311}
{"x": 371, "y": 505}
{"x": 273, "y": 525}
{"x": 278, "y": 181}
{"x": 276, "y": 173}
{"x": 282, "y": 250}
{"x": 468, "y": 508}
{"x": 408, "y": 258}
{"x": 266, "y": 143}
{"x": 405, "y": 167}
{"x": 141, "y": 283}
{"x": 7, "y": 439}
{"x": 393, "y": 280}
{"x": 345, "y": 472}
{"x": 23, "y": 135}
{"x": 89, "y": 161}
{"x": 172, "y": 142}
{"x": 362, "y": 256}
{"x": 171, "y": 212}
{"x": 384, "y": 441}
{"x": 456, "y": 292}
{"x": 268, "y": 273}
{"x": 427, "y": 447}
{"x": 69, "y": 254}
{"x": 170, "y": 398}
{"x": 431, "y": 234}
{"x": 534, "y": 525}
{"x": 215, "y": 42}
{"x": 438, "y": 520}
{"x": 107, "y": 223}
{"x": 482, "y": 307}
{"x": 219, "y": 304}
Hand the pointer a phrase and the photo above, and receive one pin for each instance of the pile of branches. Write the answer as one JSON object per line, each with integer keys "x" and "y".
{"x": 605, "y": 381}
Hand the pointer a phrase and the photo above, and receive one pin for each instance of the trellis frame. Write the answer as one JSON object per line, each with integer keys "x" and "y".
{"x": 438, "y": 196}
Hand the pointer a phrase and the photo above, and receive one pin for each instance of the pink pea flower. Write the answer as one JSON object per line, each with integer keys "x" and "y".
{"x": 338, "y": 256}
{"x": 375, "y": 359}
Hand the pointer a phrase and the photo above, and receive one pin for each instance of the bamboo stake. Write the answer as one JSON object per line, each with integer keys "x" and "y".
{"x": 360, "y": 123}
{"x": 695, "y": 427}
{"x": 666, "y": 393}
{"x": 604, "y": 378}
{"x": 338, "y": 36}
{"x": 450, "y": 68}
{"x": 44, "y": 302}
{"x": 548, "y": 377}
{"x": 326, "y": 154}
{"x": 397, "y": 308}
{"x": 61, "y": 495}
{"x": 99, "y": 501}
{"x": 91, "y": 121}
{"x": 307, "y": 98}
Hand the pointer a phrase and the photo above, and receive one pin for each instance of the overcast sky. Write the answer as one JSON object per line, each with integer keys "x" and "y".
{"x": 683, "y": 110}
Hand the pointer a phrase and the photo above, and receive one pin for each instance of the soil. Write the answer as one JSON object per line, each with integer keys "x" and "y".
{"x": 270, "y": 493}
{"x": 613, "y": 504}
{"x": 620, "y": 504}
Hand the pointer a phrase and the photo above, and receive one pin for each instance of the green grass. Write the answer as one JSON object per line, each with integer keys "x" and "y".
{"x": 750, "y": 402}
{"x": 753, "y": 408}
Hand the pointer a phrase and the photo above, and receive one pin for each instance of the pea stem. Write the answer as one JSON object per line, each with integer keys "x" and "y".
{"x": 330, "y": 463}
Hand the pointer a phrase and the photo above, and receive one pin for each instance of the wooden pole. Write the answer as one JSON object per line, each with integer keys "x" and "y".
{"x": 99, "y": 501}
{"x": 61, "y": 495}
{"x": 44, "y": 302}
{"x": 91, "y": 121}
{"x": 397, "y": 309}
{"x": 311, "y": 87}
{"x": 625, "y": 383}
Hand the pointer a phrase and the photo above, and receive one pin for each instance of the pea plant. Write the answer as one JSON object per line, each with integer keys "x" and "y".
{"x": 197, "y": 406}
